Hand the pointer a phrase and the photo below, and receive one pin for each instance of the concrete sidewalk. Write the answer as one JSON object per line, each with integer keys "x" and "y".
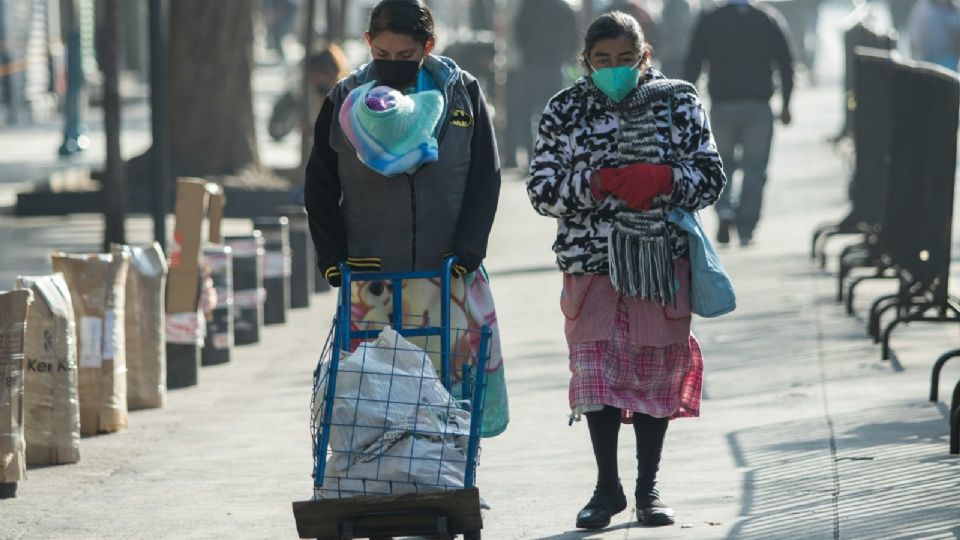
{"x": 804, "y": 432}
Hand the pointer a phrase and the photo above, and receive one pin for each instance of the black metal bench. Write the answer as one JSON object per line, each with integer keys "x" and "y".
{"x": 954, "y": 415}
{"x": 903, "y": 194}
{"x": 860, "y": 35}
{"x": 873, "y": 144}
{"x": 919, "y": 213}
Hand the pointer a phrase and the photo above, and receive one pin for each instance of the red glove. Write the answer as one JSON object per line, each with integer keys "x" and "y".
{"x": 637, "y": 185}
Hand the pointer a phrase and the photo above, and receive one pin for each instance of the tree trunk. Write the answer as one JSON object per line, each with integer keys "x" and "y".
{"x": 210, "y": 87}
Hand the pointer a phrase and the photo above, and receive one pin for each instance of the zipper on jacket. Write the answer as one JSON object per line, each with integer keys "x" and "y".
{"x": 413, "y": 221}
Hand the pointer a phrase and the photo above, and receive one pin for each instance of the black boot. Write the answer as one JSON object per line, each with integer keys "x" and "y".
{"x": 608, "y": 498}
{"x": 602, "y": 506}
{"x": 650, "y": 433}
{"x": 653, "y": 512}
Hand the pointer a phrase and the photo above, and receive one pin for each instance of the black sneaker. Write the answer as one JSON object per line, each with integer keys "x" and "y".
{"x": 602, "y": 506}
{"x": 651, "y": 511}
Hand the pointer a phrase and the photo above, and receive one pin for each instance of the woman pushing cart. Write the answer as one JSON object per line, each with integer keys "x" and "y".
{"x": 404, "y": 173}
{"x": 401, "y": 191}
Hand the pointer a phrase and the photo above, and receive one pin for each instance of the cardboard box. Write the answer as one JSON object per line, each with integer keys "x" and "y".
{"x": 217, "y": 203}
{"x": 145, "y": 334}
{"x": 97, "y": 286}
{"x": 191, "y": 207}
{"x": 193, "y": 204}
{"x": 13, "y": 319}
{"x": 50, "y": 402}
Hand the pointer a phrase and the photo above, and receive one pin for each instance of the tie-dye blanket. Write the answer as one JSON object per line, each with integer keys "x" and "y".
{"x": 392, "y": 133}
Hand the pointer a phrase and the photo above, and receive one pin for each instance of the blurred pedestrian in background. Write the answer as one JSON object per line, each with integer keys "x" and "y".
{"x": 478, "y": 57}
{"x": 934, "y": 28}
{"x": 673, "y": 33}
{"x": 637, "y": 10}
{"x": 545, "y": 35}
{"x": 741, "y": 42}
{"x": 615, "y": 152}
{"x": 404, "y": 173}
{"x": 323, "y": 70}
{"x": 281, "y": 18}
{"x": 75, "y": 137}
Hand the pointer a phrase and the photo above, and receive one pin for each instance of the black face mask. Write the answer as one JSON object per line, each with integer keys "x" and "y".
{"x": 396, "y": 74}
{"x": 322, "y": 90}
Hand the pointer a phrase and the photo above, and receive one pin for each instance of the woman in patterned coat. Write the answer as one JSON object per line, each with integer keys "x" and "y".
{"x": 625, "y": 141}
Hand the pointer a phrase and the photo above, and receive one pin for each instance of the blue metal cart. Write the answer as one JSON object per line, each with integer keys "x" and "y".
{"x": 396, "y": 444}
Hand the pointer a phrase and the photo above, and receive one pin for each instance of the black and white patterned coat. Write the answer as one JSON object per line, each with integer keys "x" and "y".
{"x": 581, "y": 131}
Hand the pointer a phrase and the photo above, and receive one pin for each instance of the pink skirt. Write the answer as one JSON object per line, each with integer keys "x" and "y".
{"x": 663, "y": 382}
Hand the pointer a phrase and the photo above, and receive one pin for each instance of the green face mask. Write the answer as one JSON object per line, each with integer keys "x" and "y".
{"x": 616, "y": 82}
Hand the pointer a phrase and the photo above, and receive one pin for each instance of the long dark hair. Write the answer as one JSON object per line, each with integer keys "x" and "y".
{"x": 613, "y": 25}
{"x": 408, "y": 17}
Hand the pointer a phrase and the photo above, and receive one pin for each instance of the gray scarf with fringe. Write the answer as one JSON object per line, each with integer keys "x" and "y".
{"x": 641, "y": 262}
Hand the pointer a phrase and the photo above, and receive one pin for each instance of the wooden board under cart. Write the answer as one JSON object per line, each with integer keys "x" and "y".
{"x": 442, "y": 514}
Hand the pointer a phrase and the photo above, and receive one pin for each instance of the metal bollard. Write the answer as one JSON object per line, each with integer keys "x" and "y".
{"x": 302, "y": 258}
{"x": 248, "y": 293}
{"x": 219, "y": 340}
{"x": 183, "y": 365}
{"x": 276, "y": 267}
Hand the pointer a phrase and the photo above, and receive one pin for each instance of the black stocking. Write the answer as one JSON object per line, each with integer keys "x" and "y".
{"x": 650, "y": 433}
{"x": 604, "y": 429}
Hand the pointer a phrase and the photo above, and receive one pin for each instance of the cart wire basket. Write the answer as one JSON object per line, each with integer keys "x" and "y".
{"x": 397, "y": 405}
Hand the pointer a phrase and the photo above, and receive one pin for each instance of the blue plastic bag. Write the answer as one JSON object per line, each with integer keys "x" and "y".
{"x": 711, "y": 291}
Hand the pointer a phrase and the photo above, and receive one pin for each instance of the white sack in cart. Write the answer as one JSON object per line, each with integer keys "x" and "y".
{"x": 394, "y": 427}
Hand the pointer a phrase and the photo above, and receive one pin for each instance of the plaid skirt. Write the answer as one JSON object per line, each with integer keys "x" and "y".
{"x": 663, "y": 382}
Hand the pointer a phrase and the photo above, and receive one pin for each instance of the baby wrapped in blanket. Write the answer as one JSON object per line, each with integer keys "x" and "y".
{"x": 392, "y": 133}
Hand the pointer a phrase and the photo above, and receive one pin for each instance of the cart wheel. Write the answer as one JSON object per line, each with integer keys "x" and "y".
{"x": 471, "y": 535}
{"x": 346, "y": 530}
